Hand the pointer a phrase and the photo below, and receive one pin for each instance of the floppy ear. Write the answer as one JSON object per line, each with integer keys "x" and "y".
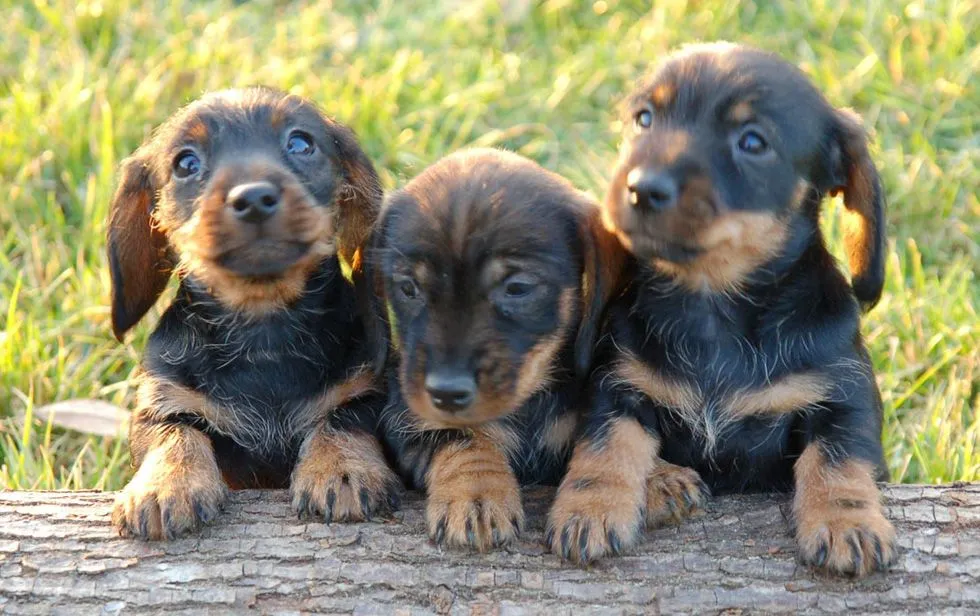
{"x": 855, "y": 175}
{"x": 377, "y": 325}
{"x": 139, "y": 263}
{"x": 360, "y": 202}
{"x": 603, "y": 258}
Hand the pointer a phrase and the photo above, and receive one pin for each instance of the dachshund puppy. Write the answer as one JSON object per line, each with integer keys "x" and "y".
{"x": 735, "y": 356}
{"x": 258, "y": 368}
{"x": 493, "y": 273}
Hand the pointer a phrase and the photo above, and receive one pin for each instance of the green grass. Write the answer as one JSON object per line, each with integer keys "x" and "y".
{"x": 80, "y": 86}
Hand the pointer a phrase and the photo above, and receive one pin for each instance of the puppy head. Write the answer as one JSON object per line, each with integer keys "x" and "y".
{"x": 245, "y": 191}
{"x": 493, "y": 273}
{"x": 726, "y": 147}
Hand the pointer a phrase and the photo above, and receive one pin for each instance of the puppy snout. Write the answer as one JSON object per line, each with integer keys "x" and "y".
{"x": 450, "y": 390}
{"x": 651, "y": 190}
{"x": 254, "y": 202}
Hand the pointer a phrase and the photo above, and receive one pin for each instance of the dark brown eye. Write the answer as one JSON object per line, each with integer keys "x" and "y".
{"x": 519, "y": 285}
{"x": 408, "y": 288}
{"x": 751, "y": 142}
{"x": 186, "y": 164}
{"x": 299, "y": 144}
{"x": 643, "y": 119}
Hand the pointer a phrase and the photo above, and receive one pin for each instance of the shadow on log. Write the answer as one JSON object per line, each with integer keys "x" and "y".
{"x": 58, "y": 554}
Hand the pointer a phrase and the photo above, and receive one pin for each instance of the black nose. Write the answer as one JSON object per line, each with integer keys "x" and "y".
{"x": 450, "y": 390}
{"x": 651, "y": 190}
{"x": 254, "y": 202}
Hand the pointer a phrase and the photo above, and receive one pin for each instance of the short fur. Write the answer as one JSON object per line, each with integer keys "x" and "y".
{"x": 496, "y": 272}
{"x": 737, "y": 345}
{"x": 263, "y": 347}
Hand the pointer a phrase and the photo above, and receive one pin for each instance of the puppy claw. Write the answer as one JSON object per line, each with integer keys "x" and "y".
{"x": 673, "y": 493}
{"x": 165, "y": 501}
{"x": 615, "y": 545}
{"x": 342, "y": 478}
{"x": 477, "y": 509}
{"x": 440, "y": 532}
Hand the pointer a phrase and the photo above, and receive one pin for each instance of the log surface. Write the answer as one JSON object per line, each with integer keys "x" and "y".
{"x": 58, "y": 554}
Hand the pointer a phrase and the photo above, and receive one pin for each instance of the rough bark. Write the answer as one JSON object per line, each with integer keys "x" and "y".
{"x": 58, "y": 553}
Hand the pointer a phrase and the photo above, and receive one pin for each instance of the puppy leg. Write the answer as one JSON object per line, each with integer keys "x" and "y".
{"x": 342, "y": 477}
{"x": 474, "y": 500}
{"x": 840, "y": 523}
{"x": 599, "y": 508}
{"x": 342, "y": 474}
{"x": 673, "y": 493}
{"x": 178, "y": 485}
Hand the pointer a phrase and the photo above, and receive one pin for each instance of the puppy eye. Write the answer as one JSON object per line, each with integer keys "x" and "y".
{"x": 643, "y": 119}
{"x": 751, "y": 142}
{"x": 518, "y": 286}
{"x": 407, "y": 287}
{"x": 186, "y": 164}
{"x": 299, "y": 144}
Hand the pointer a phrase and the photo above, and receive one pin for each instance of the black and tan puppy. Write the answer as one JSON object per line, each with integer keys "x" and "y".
{"x": 493, "y": 273}
{"x": 258, "y": 369}
{"x": 735, "y": 356}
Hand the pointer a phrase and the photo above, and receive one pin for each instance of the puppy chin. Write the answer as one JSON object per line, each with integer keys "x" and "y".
{"x": 434, "y": 419}
{"x": 263, "y": 260}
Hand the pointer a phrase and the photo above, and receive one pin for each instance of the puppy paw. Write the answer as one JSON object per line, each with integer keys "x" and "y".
{"x": 600, "y": 504}
{"x": 343, "y": 477}
{"x": 177, "y": 489}
{"x": 594, "y": 517}
{"x": 840, "y": 524}
{"x": 474, "y": 500}
{"x": 846, "y": 537}
{"x": 673, "y": 493}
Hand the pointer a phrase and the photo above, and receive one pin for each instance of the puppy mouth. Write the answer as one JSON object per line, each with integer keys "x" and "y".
{"x": 668, "y": 250}
{"x": 646, "y": 246}
{"x": 264, "y": 259}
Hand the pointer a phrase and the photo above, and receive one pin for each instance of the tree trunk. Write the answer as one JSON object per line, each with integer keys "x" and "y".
{"x": 59, "y": 554}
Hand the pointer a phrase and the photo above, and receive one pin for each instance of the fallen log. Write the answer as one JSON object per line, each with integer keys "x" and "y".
{"x": 58, "y": 554}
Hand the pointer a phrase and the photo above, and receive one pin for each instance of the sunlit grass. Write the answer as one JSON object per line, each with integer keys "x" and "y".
{"x": 81, "y": 84}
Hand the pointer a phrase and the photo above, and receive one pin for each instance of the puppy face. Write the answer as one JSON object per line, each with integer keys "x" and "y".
{"x": 724, "y": 148}
{"x": 487, "y": 266}
{"x": 247, "y": 191}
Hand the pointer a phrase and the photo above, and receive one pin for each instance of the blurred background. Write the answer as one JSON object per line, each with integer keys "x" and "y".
{"x": 82, "y": 83}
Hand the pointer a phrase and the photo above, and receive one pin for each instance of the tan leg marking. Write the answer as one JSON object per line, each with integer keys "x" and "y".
{"x": 840, "y": 523}
{"x": 599, "y": 506}
{"x": 177, "y": 488}
{"x": 474, "y": 500}
{"x": 342, "y": 477}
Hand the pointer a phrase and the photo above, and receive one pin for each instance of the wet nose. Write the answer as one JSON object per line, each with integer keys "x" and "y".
{"x": 651, "y": 190}
{"x": 254, "y": 202}
{"x": 450, "y": 391}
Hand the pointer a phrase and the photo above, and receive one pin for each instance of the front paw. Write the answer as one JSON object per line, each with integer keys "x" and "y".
{"x": 165, "y": 500}
{"x": 592, "y": 518}
{"x": 847, "y": 538}
{"x": 474, "y": 500}
{"x": 840, "y": 524}
{"x": 343, "y": 478}
{"x": 673, "y": 493}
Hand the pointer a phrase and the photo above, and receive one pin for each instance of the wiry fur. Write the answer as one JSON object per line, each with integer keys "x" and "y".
{"x": 459, "y": 231}
{"x": 264, "y": 345}
{"x": 737, "y": 343}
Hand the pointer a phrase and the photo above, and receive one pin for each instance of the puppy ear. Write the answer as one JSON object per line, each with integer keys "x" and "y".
{"x": 603, "y": 258}
{"x": 139, "y": 263}
{"x": 359, "y": 202}
{"x": 855, "y": 175}
{"x": 377, "y": 319}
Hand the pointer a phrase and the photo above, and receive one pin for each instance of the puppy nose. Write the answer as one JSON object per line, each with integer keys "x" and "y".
{"x": 254, "y": 202}
{"x": 450, "y": 390}
{"x": 651, "y": 190}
